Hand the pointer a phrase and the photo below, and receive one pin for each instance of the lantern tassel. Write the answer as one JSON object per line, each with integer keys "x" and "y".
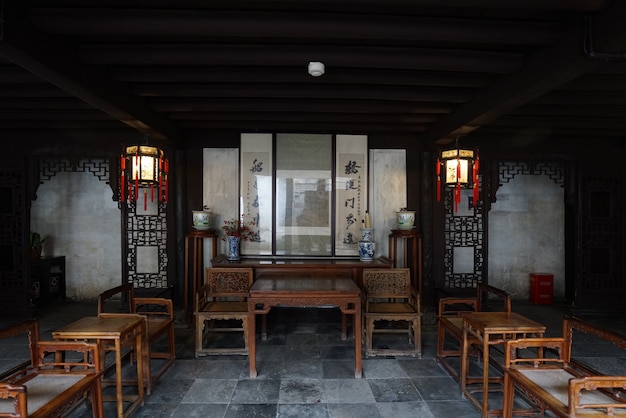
{"x": 438, "y": 170}
{"x": 476, "y": 188}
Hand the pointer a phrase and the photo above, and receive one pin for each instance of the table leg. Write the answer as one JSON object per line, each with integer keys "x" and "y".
{"x": 140, "y": 366}
{"x": 358, "y": 368}
{"x": 118, "y": 378}
{"x": 485, "y": 402}
{"x": 186, "y": 292}
{"x": 464, "y": 362}
{"x": 252, "y": 340}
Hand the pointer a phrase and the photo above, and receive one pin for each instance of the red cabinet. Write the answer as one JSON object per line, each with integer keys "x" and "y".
{"x": 541, "y": 288}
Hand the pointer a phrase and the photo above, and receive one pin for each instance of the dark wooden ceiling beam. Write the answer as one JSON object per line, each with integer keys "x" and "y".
{"x": 298, "y": 56}
{"x": 312, "y": 91}
{"x": 313, "y": 126}
{"x": 305, "y": 117}
{"x": 149, "y": 25}
{"x": 291, "y": 105}
{"x": 544, "y": 71}
{"x": 56, "y": 64}
{"x": 372, "y": 6}
{"x": 344, "y": 76}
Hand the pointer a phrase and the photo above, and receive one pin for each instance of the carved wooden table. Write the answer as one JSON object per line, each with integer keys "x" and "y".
{"x": 491, "y": 328}
{"x": 302, "y": 268}
{"x": 303, "y": 291}
{"x": 111, "y": 334}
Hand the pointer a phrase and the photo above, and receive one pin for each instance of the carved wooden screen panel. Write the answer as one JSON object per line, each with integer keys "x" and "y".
{"x": 14, "y": 288}
{"x": 146, "y": 255}
{"x": 464, "y": 252}
{"x": 600, "y": 278}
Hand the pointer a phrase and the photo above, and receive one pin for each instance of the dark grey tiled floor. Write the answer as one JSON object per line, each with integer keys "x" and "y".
{"x": 305, "y": 370}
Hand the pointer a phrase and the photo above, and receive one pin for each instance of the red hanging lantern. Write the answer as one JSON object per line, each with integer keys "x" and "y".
{"x": 460, "y": 171}
{"x": 141, "y": 167}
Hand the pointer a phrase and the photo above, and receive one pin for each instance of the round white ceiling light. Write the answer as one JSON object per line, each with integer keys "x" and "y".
{"x": 316, "y": 68}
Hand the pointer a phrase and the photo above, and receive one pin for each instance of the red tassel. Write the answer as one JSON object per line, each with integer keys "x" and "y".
{"x": 438, "y": 171}
{"x": 475, "y": 194}
{"x": 145, "y": 200}
{"x": 122, "y": 186}
{"x": 476, "y": 185}
{"x": 166, "y": 190}
{"x": 457, "y": 197}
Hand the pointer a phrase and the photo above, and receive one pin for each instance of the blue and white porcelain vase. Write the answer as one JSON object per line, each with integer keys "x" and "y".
{"x": 366, "y": 244}
{"x": 233, "y": 247}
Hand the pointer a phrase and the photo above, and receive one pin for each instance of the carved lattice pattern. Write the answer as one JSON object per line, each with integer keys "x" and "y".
{"x": 553, "y": 170}
{"x": 147, "y": 231}
{"x": 463, "y": 231}
{"x": 230, "y": 282}
{"x": 388, "y": 283}
{"x": 50, "y": 167}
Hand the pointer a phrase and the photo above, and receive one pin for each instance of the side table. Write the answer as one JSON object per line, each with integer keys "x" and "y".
{"x": 412, "y": 240}
{"x": 195, "y": 240}
{"x": 487, "y": 329}
{"x": 112, "y": 334}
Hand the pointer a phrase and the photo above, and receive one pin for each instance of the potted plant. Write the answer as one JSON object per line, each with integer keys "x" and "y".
{"x": 36, "y": 243}
{"x": 237, "y": 230}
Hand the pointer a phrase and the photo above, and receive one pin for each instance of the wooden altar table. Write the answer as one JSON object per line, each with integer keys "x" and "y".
{"x": 301, "y": 268}
{"x": 304, "y": 291}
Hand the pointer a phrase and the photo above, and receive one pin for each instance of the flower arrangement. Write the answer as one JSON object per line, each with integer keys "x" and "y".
{"x": 238, "y": 228}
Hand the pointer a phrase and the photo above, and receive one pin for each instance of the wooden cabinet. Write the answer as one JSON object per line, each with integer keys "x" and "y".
{"x": 47, "y": 280}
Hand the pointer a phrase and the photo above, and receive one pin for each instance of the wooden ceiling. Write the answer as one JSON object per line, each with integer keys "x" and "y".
{"x": 432, "y": 70}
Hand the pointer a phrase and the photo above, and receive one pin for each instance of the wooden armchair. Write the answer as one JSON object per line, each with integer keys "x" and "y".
{"x": 159, "y": 325}
{"x": 221, "y": 299}
{"x": 553, "y": 383}
{"x": 450, "y": 321}
{"x": 390, "y": 299}
{"x": 58, "y": 377}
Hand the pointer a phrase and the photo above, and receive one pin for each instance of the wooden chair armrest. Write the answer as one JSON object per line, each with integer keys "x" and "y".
{"x": 414, "y": 301}
{"x": 159, "y": 306}
{"x": 90, "y": 357}
{"x": 601, "y": 383}
{"x": 484, "y": 290}
{"x": 448, "y": 302}
{"x": 30, "y": 327}
{"x": 18, "y": 394}
{"x": 513, "y": 351}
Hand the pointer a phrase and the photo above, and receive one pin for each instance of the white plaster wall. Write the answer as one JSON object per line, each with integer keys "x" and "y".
{"x": 387, "y": 195}
{"x": 76, "y": 211}
{"x": 526, "y": 234}
{"x": 220, "y": 191}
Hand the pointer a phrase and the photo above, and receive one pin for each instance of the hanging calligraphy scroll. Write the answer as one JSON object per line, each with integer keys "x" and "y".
{"x": 351, "y": 192}
{"x": 256, "y": 191}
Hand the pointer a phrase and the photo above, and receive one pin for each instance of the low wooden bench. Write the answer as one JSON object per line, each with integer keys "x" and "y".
{"x": 544, "y": 372}
{"x": 46, "y": 387}
{"x": 450, "y": 321}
